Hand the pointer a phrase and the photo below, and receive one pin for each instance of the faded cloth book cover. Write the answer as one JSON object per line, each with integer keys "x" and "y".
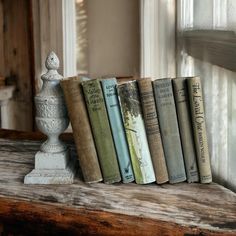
{"x": 185, "y": 128}
{"x": 199, "y": 127}
{"x": 117, "y": 128}
{"x": 169, "y": 129}
{"x": 135, "y": 133}
{"x": 82, "y": 133}
{"x": 101, "y": 130}
{"x": 152, "y": 129}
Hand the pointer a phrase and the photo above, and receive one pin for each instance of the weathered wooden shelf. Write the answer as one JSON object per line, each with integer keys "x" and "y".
{"x": 120, "y": 209}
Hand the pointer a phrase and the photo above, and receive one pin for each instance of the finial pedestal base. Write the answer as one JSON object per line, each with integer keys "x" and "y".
{"x": 52, "y": 168}
{"x": 53, "y": 164}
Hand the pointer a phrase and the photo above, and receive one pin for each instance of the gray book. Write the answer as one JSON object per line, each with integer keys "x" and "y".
{"x": 169, "y": 129}
{"x": 185, "y": 128}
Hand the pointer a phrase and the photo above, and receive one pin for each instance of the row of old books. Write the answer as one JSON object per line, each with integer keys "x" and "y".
{"x": 144, "y": 130}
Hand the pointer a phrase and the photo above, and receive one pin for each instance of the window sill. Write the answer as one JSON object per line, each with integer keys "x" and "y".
{"x": 214, "y": 46}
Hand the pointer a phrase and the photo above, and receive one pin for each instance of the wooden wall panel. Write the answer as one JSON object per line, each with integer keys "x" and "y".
{"x": 1, "y": 41}
{"x": 18, "y": 63}
{"x": 54, "y": 30}
{"x": 47, "y": 20}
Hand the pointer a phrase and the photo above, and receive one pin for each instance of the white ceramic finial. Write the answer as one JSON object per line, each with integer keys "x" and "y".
{"x": 53, "y": 164}
{"x": 52, "y": 61}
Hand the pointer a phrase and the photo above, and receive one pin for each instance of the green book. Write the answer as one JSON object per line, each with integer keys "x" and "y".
{"x": 199, "y": 127}
{"x": 101, "y": 130}
{"x": 185, "y": 128}
{"x": 135, "y": 133}
{"x": 169, "y": 129}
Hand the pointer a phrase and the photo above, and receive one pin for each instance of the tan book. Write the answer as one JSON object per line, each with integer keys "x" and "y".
{"x": 81, "y": 129}
{"x": 152, "y": 129}
{"x": 199, "y": 127}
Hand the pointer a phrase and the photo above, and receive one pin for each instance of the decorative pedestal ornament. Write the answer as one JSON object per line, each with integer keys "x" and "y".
{"x": 53, "y": 164}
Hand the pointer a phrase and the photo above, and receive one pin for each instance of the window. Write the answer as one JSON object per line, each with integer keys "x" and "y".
{"x": 174, "y": 38}
{"x": 205, "y": 45}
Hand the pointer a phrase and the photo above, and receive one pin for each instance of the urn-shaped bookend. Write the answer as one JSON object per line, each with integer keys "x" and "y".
{"x": 53, "y": 164}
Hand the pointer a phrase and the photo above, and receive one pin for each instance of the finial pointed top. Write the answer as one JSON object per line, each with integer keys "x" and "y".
{"x": 52, "y": 61}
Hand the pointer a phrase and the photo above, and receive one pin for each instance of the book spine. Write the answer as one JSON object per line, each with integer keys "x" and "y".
{"x": 199, "y": 127}
{"x": 117, "y": 128}
{"x": 185, "y": 128}
{"x": 82, "y": 133}
{"x": 169, "y": 129}
{"x": 152, "y": 129}
{"x": 101, "y": 130}
{"x": 135, "y": 133}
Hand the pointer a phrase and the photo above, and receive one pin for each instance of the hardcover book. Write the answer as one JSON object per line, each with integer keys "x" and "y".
{"x": 101, "y": 130}
{"x": 117, "y": 128}
{"x": 199, "y": 127}
{"x": 185, "y": 128}
{"x": 169, "y": 129}
{"x": 82, "y": 133}
{"x": 135, "y": 133}
{"x": 152, "y": 129}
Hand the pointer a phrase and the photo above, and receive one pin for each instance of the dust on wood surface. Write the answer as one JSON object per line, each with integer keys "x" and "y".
{"x": 189, "y": 206}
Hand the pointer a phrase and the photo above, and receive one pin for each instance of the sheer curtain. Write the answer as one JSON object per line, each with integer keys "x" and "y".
{"x": 158, "y": 59}
{"x": 157, "y": 20}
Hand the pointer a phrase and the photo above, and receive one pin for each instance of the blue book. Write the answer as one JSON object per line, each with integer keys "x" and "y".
{"x": 117, "y": 128}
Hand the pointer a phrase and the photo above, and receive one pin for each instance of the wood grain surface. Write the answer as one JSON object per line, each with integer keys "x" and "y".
{"x": 2, "y": 60}
{"x": 124, "y": 209}
{"x": 18, "y": 63}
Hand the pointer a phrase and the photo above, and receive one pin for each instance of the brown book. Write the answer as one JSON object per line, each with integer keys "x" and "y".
{"x": 81, "y": 129}
{"x": 199, "y": 128}
{"x": 152, "y": 129}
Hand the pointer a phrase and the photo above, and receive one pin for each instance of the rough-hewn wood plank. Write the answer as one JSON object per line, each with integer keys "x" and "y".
{"x": 107, "y": 209}
{"x": 53, "y": 219}
{"x": 20, "y": 135}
